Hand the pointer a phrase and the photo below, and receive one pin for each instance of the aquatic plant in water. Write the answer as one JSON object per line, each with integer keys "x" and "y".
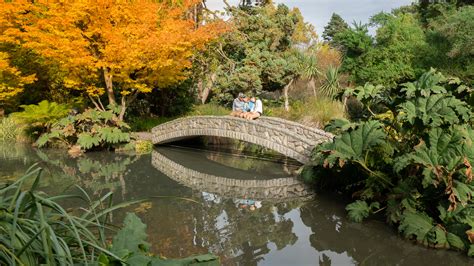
{"x": 35, "y": 229}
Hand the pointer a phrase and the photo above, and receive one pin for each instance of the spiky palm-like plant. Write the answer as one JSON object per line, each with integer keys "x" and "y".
{"x": 331, "y": 85}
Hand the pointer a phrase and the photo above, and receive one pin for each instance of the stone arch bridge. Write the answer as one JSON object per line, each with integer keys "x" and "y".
{"x": 286, "y": 137}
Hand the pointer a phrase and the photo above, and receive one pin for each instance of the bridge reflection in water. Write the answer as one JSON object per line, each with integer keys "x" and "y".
{"x": 211, "y": 177}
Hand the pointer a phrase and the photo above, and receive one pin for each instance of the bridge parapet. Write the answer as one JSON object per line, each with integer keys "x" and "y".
{"x": 286, "y": 137}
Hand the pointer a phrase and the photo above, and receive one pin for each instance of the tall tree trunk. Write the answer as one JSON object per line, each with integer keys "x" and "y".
{"x": 285, "y": 95}
{"x": 200, "y": 89}
{"x": 123, "y": 108}
{"x": 109, "y": 86}
{"x": 312, "y": 85}
{"x": 207, "y": 88}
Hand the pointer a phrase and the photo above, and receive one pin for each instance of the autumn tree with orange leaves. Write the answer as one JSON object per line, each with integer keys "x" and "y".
{"x": 11, "y": 79}
{"x": 110, "y": 48}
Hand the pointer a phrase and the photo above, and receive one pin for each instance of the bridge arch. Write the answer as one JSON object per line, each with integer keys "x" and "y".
{"x": 286, "y": 137}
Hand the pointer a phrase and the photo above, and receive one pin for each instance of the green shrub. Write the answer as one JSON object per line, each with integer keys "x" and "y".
{"x": 315, "y": 111}
{"x": 143, "y": 146}
{"x": 410, "y": 157}
{"x": 138, "y": 124}
{"x": 209, "y": 109}
{"x": 92, "y": 129}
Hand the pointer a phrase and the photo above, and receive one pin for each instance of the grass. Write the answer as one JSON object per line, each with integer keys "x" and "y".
{"x": 11, "y": 130}
{"x": 138, "y": 124}
{"x": 314, "y": 112}
{"x": 209, "y": 109}
{"x": 36, "y": 230}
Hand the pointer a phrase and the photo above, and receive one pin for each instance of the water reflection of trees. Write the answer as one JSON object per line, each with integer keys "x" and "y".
{"x": 98, "y": 173}
{"x": 238, "y": 236}
{"x": 14, "y": 161}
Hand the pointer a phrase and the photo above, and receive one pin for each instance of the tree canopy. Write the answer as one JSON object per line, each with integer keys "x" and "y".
{"x": 118, "y": 49}
{"x": 335, "y": 25}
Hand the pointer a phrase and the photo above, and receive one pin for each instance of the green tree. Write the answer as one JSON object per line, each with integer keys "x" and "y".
{"x": 398, "y": 54}
{"x": 452, "y": 37}
{"x": 335, "y": 25}
{"x": 354, "y": 42}
{"x": 258, "y": 54}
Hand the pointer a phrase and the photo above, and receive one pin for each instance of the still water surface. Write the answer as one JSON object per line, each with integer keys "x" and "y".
{"x": 247, "y": 210}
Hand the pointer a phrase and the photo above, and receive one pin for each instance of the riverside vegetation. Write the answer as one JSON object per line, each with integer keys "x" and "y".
{"x": 410, "y": 157}
{"x": 36, "y": 230}
{"x": 403, "y": 148}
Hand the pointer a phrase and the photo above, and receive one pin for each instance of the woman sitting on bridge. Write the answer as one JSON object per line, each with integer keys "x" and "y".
{"x": 255, "y": 111}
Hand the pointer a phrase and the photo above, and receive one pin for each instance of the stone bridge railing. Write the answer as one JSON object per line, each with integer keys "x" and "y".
{"x": 286, "y": 137}
{"x": 278, "y": 189}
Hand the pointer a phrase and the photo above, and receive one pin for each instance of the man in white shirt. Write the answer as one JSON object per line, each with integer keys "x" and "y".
{"x": 257, "y": 109}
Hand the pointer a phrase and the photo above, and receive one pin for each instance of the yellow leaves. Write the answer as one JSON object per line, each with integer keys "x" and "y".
{"x": 144, "y": 44}
{"x": 11, "y": 79}
{"x": 94, "y": 91}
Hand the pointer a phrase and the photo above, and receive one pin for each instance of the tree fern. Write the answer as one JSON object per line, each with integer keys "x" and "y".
{"x": 44, "y": 113}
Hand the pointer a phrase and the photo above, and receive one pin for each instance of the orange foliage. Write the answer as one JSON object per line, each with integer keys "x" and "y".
{"x": 327, "y": 56}
{"x": 134, "y": 46}
{"x": 11, "y": 79}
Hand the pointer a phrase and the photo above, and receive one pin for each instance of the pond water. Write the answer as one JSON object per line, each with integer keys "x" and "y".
{"x": 249, "y": 210}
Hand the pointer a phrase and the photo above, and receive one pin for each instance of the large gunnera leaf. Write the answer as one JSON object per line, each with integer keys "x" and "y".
{"x": 435, "y": 110}
{"x": 426, "y": 85}
{"x": 420, "y": 227}
{"x": 352, "y": 145}
{"x": 445, "y": 153}
{"x": 113, "y": 135}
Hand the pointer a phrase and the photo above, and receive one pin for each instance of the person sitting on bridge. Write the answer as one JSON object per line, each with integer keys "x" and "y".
{"x": 238, "y": 105}
{"x": 256, "y": 111}
{"x": 248, "y": 107}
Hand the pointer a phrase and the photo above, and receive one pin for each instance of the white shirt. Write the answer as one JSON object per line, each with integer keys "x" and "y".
{"x": 258, "y": 106}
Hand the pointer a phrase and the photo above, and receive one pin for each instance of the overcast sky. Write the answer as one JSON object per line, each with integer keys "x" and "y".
{"x": 318, "y": 12}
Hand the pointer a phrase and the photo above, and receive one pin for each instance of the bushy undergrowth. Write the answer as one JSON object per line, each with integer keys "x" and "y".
{"x": 36, "y": 230}
{"x": 410, "y": 157}
{"x": 92, "y": 129}
{"x": 315, "y": 111}
{"x": 10, "y": 130}
{"x": 138, "y": 124}
{"x": 209, "y": 109}
{"x": 43, "y": 114}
